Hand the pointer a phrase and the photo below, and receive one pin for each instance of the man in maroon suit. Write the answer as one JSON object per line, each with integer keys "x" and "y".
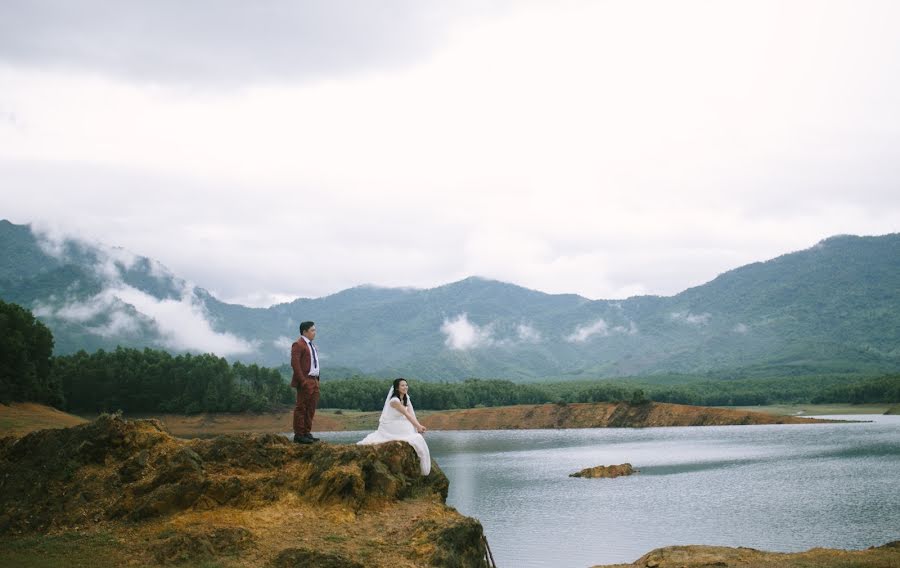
{"x": 305, "y": 363}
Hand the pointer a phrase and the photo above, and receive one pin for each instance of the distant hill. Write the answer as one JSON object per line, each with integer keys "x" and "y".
{"x": 833, "y": 308}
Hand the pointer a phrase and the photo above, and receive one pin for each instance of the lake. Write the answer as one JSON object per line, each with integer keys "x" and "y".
{"x": 780, "y": 488}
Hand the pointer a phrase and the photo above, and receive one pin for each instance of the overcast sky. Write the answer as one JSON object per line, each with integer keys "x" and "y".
{"x": 270, "y": 150}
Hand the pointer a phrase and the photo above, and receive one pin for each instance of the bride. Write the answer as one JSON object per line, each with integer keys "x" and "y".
{"x": 398, "y": 422}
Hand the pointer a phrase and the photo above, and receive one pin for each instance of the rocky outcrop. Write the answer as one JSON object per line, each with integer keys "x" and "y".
{"x": 606, "y": 471}
{"x": 600, "y": 415}
{"x": 262, "y": 496}
{"x": 887, "y": 556}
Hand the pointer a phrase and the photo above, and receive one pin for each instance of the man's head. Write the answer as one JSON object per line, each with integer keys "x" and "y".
{"x": 308, "y": 330}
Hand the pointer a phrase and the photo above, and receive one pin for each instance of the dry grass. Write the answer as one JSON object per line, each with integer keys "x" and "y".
{"x": 128, "y": 493}
{"x": 20, "y": 418}
{"x": 814, "y": 409}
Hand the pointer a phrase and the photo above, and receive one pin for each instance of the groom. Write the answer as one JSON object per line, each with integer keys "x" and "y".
{"x": 305, "y": 363}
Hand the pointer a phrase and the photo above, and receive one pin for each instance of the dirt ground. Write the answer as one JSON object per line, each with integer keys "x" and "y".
{"x": 20, "y": 418}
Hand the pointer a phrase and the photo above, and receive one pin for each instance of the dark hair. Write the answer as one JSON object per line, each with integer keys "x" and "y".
{"x": 405, "y": 398}
{"x": 306, "y": 325}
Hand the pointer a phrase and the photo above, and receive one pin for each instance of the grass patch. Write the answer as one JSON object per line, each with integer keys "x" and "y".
{"x": 71, "y": 549}
{"x": 814, "y": 409}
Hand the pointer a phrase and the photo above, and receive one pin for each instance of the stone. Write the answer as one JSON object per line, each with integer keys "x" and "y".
{"x": 607, "y": 471}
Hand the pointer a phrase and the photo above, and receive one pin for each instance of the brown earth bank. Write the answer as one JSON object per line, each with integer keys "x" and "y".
{"x": 886, "y": 556}
{"x": 599, "y": 415}
{"x": 116, "y": 492}
{"x": 526, "y": 416}
{"x": 19, "y": 419}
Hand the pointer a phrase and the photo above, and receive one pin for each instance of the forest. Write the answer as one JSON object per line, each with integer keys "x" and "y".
{"x": 150, "y": 381}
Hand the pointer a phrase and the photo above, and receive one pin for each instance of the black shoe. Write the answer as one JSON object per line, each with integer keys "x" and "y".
{"x": 314, "y": 438}
{"x": 307, "y": 439}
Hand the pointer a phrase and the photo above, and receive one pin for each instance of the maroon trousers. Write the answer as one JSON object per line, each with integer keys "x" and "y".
{"x": 307, "y": 400}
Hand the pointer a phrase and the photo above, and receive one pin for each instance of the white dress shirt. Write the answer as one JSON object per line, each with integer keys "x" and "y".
{"x": 313, "y": 361}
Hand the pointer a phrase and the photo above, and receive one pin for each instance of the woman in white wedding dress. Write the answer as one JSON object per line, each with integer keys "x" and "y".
{"x": 398, "y": 422}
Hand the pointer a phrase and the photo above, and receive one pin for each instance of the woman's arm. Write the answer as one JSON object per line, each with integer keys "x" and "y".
{"x": 409, "y": 415}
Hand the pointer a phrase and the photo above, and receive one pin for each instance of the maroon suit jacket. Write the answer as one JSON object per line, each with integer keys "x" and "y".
{"x": 301, "y": 359}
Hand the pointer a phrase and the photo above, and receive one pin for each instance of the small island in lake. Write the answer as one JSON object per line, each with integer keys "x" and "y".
{"x": 606, "y": 471}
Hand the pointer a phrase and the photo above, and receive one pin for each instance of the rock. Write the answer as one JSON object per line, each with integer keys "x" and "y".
{"x": 453, "y": 544}
{"x": 173, "y": 546}
{"x": 608, "y": 471}
{"x": 335, "y": 505}
{"x": 303, "y": 558}
{"x": 886, "y": 556}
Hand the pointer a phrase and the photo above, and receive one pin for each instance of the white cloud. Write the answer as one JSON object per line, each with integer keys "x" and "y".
{"x": 600, "y": 328}
{"x": 748, "y": 162}
{"x": 283, "y": 342}
{"x": 528, "y": 334}
{"x": 690, "y": 318}
{"x": 463, "y": 335}
{"x": 585, "y": 332}
{"x": 630, "y": 329}
{"x": 120, "y": 324}
{"x": 103, "y": 306}
{"x": 740, "y": 328}
{"x": 182, "y": 323}
{"x": 50, "y": 239}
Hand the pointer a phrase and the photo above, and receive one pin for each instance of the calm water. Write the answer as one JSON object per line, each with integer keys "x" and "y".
{"x": 780, "y": 488}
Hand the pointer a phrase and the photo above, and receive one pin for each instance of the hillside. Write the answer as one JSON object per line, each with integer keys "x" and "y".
{"x": 116, "y": 492}
{"x": 833, "y": 309}
{"x": 599, "y": 415}
{"x": 20, "y": 418}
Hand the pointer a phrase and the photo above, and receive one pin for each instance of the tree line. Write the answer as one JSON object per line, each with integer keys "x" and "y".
{"x": 26, "y": 349}
{"x": 145, "y": 381}
{"x": 368, "y": 394}
{"x": 148, "y": 381}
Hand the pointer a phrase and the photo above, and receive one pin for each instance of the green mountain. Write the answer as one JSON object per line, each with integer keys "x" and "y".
{"x": 834, "y": 308}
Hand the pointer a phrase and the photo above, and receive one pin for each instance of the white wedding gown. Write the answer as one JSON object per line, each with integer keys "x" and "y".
{"x": 395, "y": 426}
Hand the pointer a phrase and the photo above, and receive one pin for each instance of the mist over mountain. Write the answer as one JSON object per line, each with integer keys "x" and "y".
{"x": 833, "y": 308}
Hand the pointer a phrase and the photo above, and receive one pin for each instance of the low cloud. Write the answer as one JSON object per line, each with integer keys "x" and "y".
{"x": 182, "y": 324}
{"x": 689, "y": 318}
{"x": 283, "y": 342}
{"x": 630, "y": 329}
{"x": 600, "y": 328}
{"x": 120, "y": 310}
{"x": 463, "y": 335}
{"x": 109, "y": 262}
{"x": 528, "y": 334}
{"x": 585, "y": 332}
{"x": 110, "y": 315}
{"x": 740, "y": 328}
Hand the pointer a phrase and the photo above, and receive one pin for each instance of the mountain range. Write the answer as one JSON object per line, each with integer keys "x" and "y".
{"x": 831, "y": 309}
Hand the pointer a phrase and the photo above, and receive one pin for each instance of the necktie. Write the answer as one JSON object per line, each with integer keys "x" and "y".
{"x": 315, "y": 359}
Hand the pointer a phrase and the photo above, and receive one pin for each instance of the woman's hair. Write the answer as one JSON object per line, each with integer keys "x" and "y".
{"x": 405, "y": 398}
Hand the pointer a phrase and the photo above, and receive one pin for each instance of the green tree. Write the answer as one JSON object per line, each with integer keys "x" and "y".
{"x": 26, "y": 346}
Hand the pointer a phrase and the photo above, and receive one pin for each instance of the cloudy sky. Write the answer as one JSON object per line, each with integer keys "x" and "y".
{"x": 274, "y": 149}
